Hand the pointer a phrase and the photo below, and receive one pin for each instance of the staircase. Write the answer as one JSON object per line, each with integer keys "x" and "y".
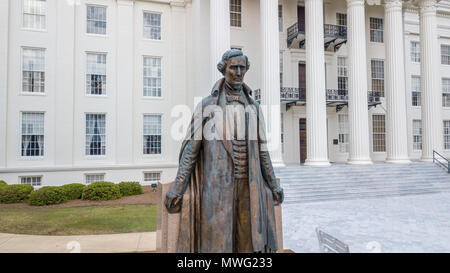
{"x": 343, "y": 182}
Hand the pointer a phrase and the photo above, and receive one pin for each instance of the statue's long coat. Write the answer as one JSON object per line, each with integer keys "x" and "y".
{"x": 205, "y": 177}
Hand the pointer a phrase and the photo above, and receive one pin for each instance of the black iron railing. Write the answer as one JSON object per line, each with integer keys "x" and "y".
{"x": 294, "y": 30}
{"x": 335, "y": 31}
{"x": 330, "y": 31}
{"x": 441, "y": 161}
{"x": 332, "y": 95}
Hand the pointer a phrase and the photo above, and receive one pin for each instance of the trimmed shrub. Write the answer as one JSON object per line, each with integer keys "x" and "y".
{"x": 17, "y": 193}
{"x": 73, "y": 191}
{"x": 3, "y": 183}
{"x": 47, "y": 196}
{"x": 100, "y": 191}
{"x": 130, "y": 188}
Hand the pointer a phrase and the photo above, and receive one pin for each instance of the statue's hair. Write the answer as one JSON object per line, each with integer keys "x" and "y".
{"x": 231, "y": 53}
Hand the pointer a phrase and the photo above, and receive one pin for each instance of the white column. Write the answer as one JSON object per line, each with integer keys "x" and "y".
{"x": 358, "y": 114}
{"x": 432, "y": 132}
{"x": 316, "y": 112}
{"x": 125, "y": 83}
{"x": 397, "y": 146}
{"x": 219, "y": 34}
{"x": 4, "y": 29}
{"x": 270, "y": 78}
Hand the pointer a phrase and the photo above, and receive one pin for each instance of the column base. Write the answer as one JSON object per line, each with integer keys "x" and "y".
{"x": 278, "y": 164}
{"x": 398, "y": 160}
{"x": 426, "y": 159}
{"x": 360, "y": 161}
{"x": 319, "y": 163}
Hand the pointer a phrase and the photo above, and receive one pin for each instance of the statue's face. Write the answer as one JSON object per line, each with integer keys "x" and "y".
{"x": 235, "y": 71}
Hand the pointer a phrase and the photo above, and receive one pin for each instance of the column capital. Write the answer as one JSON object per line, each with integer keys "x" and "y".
{"x": 427, "y": 6}
{"x": 355, "y": 3}
{"x": 393, "y": 4}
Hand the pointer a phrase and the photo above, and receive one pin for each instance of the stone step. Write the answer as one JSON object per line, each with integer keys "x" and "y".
{"x": 338, "y": 198}
{"x": 363, "y": 190}
{"x": 362, "y": 183}
{"x": 341, "y": 182}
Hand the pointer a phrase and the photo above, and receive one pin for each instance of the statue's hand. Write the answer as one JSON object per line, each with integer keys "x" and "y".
{"x": 278, "y": 195}
{"x": 173, "y": 202}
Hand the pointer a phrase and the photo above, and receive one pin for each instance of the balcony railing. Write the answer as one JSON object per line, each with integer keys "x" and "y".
{"x": 338, "y": 97}
{"x": 334, "y": 36}
{"x": 335, "y": 31}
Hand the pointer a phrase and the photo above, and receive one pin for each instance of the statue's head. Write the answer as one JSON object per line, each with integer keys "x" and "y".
{"x": 233, "y": 66}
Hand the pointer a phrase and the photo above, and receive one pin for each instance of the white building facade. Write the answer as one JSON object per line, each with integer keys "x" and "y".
{"x": 91, "y": 90}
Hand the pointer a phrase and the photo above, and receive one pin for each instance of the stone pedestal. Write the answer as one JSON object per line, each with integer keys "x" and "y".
{"x": 167, "y": 226}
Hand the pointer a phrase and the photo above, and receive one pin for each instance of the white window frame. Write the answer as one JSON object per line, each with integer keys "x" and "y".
{"x": 415, "y": 51}
{"x": 103, "y": 142}
{"x": 373, "y": 31}
{"x": 415, "y": 90}
{"x": 446, "y": 135}
{"x": 341, "y": 16}
{"x": 343, "y": 133}
{"x": 106, "y": 20}
{"x": 342, "y": 72}
{"x": 150, "y": 182}
{"x": 86, "y": 175}
{"x": 152, "y": 26}
{"x": 417, "y": 135}
{"x": 43, "y": 71}
{"x": 375, "y": 77}
{"x": 144, "y": 135}
{"x": 144, "y": 87}
{"x": 445, "y": 54}
{"x": 379, "y": 144}
{"x": 445, "y": 92}
{"x": 38, "y": 178}
{"x": 44, "y": 15}
{"x": 42, "y": 153}
{"x": 238, "y": 14}
{"x": 104, "y": 74}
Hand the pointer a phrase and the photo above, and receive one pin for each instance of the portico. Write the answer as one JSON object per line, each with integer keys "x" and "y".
{"x": 312, "y": 39}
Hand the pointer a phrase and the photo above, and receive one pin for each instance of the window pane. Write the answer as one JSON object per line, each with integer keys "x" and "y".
{"x": 415, "y": 91}
{"x": 31, "y": 180}
{"x": 235, "y": 13}
{"x": 376, "y": 30}
{"x": 32, "y": 134}
{"x": 96, "y": 20}
{"x": 152, "y": 134}
{"x": 342, "y": 73}
{"x": 91, "y": 178}
{"x": 343, "y": 133}
{"x": 377, "y": 67}
{"x": 95, "y": 134}
{"x": 152, "y": 26}
{"x": 96, "y": 74}
{"x": 152, "y": 77}
{"x": 33, "y": 70}
{"x": 417, "y": 135}
{"x": 415, "y": 52}
{"x": 34, "y": 14}
{"x": 379, "y": 133}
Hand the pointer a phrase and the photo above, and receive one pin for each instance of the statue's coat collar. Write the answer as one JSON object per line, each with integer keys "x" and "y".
{"x": 218, "y": 86}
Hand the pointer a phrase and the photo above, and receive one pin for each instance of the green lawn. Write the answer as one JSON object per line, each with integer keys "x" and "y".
{"x": 79, "y": 221}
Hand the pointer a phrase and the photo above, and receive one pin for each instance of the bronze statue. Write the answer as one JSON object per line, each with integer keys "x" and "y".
{"x": 226, "y": 187}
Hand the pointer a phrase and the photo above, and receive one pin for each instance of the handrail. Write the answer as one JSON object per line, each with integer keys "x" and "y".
{"x": 443, "y": 165}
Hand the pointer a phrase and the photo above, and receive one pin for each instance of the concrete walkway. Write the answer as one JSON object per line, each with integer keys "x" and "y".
{"x": 108, "y": 243}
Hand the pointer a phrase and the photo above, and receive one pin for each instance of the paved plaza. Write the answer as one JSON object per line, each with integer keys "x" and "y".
{"x": 419, "y": 223}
